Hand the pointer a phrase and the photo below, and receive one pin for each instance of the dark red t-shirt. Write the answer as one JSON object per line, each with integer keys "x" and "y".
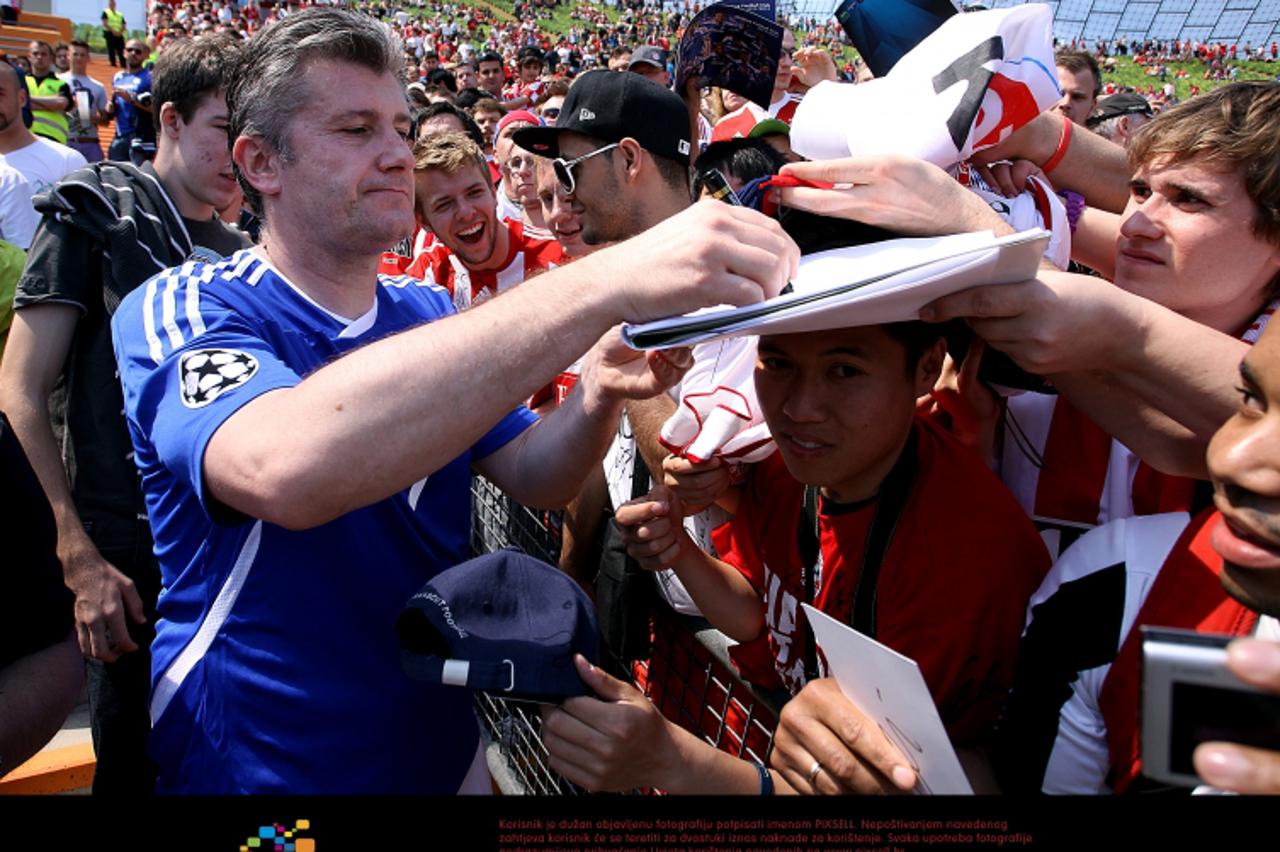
{"x": 952, "y": 591}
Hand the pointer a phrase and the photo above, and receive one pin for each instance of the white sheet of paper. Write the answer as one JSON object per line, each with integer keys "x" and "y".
{"x": 863, "y": 285}
{"x": 889, "y": 688}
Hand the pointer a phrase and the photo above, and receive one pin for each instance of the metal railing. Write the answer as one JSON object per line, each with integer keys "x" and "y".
{"x": 688, "y": 675}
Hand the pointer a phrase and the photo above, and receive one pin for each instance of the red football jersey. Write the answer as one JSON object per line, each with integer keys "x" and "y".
{"x": 525, "y": 257}
{"x": 533, "y": 91}
{"x": 952, "y": 591}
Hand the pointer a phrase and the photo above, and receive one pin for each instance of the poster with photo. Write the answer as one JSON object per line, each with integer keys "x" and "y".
{"x": 734, "y": 49}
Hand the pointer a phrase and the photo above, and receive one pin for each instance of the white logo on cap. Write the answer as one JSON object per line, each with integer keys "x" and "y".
{"x": 585, "y": 114}
{"x": 683, "y": 146}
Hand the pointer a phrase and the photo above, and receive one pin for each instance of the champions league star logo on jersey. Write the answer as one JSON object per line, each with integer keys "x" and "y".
{"x": 205, "y": 374}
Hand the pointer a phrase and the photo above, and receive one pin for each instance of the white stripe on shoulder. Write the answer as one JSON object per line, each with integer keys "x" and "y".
{"x": 169, "y": 307}
{"x": 171, "y": 680}
{"x": 149, "y": 320}
{"x": 256, "y": 275}
{"x": 243, "y": 262}
{"x": 193, "y": 300}
{"x": 432, "y": 285}
{"x": 400, "y": 282}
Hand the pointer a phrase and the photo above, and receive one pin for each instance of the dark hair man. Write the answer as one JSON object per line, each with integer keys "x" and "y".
{"x": 492, "y": 74}
{"x": 444, "y": 117}
{"x": 487, "y": 113}
{"x": 131, "y": 106}
{"x": 81, "y": 264}
{"x": 1081, "y": 82}
{"x": 344, "y": 491}
{"x": 90, "y": 98}
{"x": 49, "y": 96}
{"x": 62, "y": 57}
{"x": 465, "y": 76}
{"x": 608, "y": 154}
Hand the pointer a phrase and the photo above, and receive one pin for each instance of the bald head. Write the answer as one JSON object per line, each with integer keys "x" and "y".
{"x": 12, "y": 97}
{"x": 9, "y": 75}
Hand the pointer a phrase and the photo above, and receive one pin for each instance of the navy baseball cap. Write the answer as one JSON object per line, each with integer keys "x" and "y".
{"x": 611, "y": 106}
{"x": 503, "y": 622}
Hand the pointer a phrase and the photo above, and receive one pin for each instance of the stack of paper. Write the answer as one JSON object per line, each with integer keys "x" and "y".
{"x": 863, "y": 285}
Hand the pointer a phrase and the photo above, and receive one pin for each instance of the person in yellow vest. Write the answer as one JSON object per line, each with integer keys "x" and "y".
{"x": 50, "y": 97}
{"x": 113, "y": 31}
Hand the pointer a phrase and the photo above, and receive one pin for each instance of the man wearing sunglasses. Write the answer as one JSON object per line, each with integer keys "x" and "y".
{"x": 549, "y": 111}
{"x": 130, "y": 104}
{"x": 621, "y": 150}
{"x": 621, "y": 146}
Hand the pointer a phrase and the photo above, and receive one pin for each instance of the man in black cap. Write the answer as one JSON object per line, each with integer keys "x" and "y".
{"x": 622, "y": 146}
{"x": 651, "y": 61}
{"x": 1119, "y": 117}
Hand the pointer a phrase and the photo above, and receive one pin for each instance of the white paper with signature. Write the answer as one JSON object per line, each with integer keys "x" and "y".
{"x": 889, "y": 688}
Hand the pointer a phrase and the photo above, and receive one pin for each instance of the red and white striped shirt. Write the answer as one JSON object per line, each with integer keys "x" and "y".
{"x": 526, "y": 257}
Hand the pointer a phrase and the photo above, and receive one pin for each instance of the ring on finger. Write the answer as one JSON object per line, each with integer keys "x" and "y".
{"x": 813, "y": 771}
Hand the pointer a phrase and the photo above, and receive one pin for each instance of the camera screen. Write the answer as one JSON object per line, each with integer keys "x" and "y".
{"x": 1204, "y": 713}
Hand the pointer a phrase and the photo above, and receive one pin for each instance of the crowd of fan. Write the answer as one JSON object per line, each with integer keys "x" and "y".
{"x": 294, "y": 456}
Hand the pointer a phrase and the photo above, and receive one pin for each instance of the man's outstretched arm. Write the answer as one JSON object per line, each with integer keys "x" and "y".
{"x": 398, "y": 409}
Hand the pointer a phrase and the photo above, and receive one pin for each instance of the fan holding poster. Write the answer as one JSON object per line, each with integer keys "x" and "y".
{"x": 728, "y": 46}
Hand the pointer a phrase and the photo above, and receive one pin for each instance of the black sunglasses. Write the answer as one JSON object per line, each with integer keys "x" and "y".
{"x": 564, "y": 168}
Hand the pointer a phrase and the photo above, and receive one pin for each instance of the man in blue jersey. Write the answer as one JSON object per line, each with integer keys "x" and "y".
{"x": 305, "y": 430}
{"x": 130, "y": 106}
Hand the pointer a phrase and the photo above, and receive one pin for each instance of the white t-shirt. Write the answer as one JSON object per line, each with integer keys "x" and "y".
{"x": 18, "y": 219}
{"x": 508, "y": 209}
{"x": 44, "y": 162}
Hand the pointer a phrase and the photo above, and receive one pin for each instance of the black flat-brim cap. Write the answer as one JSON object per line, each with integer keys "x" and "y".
{"x": 614, "y": 105}
{"x": 1124, "y": 103}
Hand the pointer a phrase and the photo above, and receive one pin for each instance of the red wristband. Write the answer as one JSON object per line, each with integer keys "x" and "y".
{"x": 1063, "y": 144}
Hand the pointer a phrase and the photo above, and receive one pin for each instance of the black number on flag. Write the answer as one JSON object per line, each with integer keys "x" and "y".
{"x": 968, "y": 67}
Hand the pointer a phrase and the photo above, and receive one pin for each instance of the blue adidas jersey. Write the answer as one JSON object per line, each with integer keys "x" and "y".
{"x": 276, "y": 666}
